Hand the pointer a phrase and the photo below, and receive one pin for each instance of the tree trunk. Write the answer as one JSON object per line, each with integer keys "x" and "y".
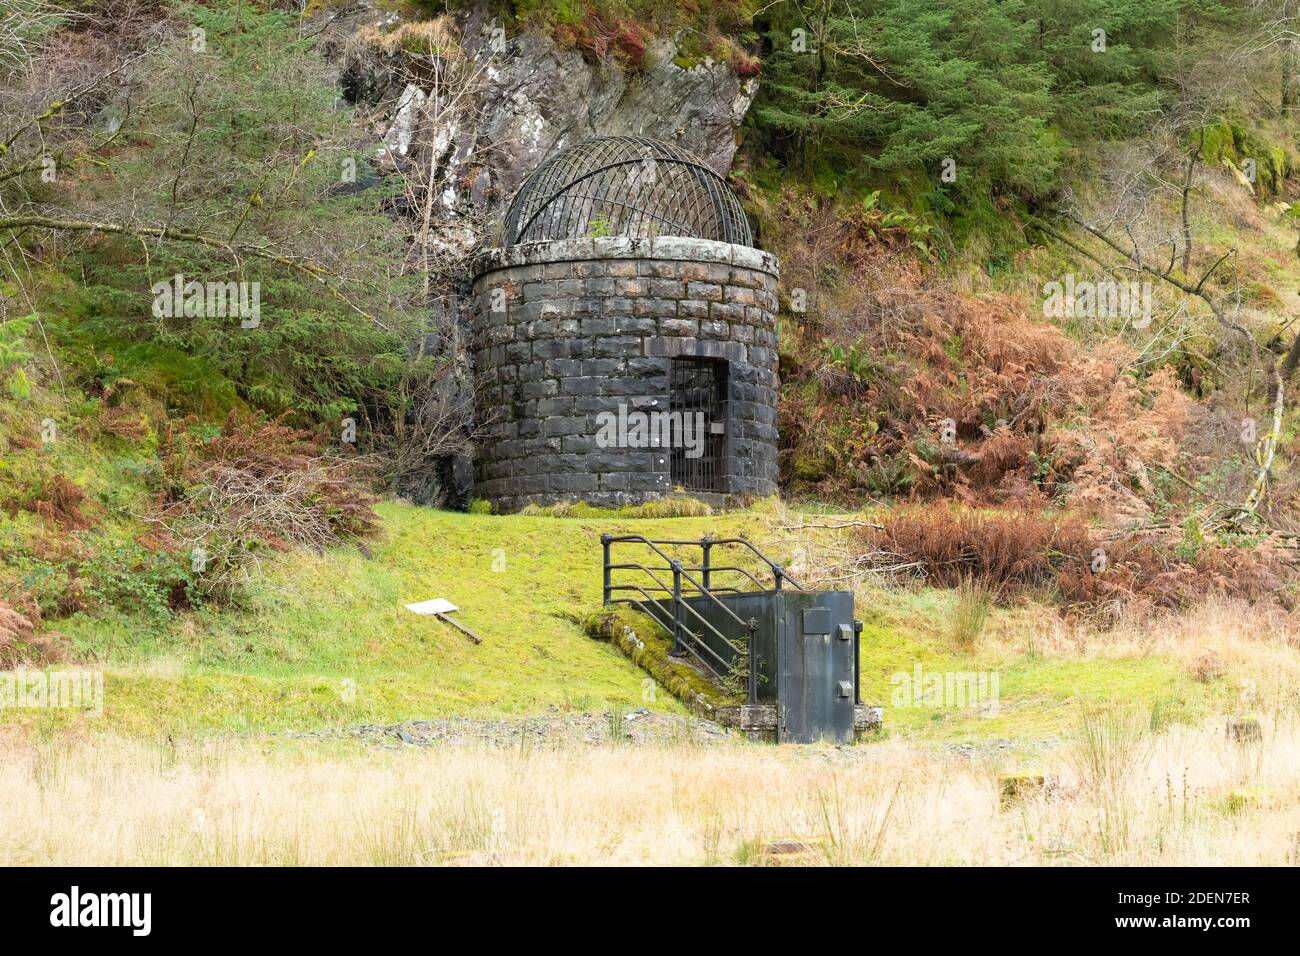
{"x": 1287, "y": 61}
{"x": 1292, "y": 360}
{"x": 1187, "y": 193}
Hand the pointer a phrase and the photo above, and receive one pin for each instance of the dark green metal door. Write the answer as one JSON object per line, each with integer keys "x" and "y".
{"x": 815, "y": 684}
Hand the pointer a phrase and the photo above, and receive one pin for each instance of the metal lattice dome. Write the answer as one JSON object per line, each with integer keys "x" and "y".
{"x": 625, "y": 186}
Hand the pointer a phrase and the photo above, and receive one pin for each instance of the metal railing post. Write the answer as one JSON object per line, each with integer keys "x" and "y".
{"x": 677, "y": 609}
{"x": 753, "y": 661}
{"x": 605, "y": 541}
{"x": 778, "y": 572}
{"x": 706, "y": 545}
{"x": 857, "y": 661}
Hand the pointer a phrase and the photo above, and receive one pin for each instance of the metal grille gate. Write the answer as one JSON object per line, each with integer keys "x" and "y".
{"x": 698, "y": 401}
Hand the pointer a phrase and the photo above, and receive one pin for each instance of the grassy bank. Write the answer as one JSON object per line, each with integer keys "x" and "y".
{"x": 325, "y": 641}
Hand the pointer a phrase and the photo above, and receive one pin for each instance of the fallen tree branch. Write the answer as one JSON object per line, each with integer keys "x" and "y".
{"x": 833, "y": 527}
{"x": 1197, "y": 290}
{"x": 1267, "y": 453}
{"x": 1277, "y": 372}
{"x": 1066, "y": 240}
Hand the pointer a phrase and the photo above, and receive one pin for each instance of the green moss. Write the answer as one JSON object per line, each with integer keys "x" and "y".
{"x": 326, "y": 641}
{"x": 811, "y": 467}
{"x": 645, "y": 643}
{"x": 1220, "y": 142}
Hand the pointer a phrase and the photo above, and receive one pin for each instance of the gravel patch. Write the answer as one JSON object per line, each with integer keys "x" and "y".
{"x": 638, "y": 727}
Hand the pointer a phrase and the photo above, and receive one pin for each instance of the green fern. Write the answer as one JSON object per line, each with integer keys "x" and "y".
{"x": 13, "y": 355}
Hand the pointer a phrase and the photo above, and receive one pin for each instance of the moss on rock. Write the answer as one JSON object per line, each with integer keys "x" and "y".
{"x": 637, "y": 636}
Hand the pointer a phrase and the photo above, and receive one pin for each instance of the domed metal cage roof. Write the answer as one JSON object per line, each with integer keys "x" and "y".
{"x": 625, "y": 186}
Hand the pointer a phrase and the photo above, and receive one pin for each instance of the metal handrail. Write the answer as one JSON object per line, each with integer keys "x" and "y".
{"x": 676, "y": 565}
{"x": 713, "y": 568}
{"x": 777, "y": 569}
{"x": 662, "y": 586}
{"x": 653, "y": 609}
{"x": 706, "y": 543}
{"x": 685, "y": 639}
{"x": 722, "y": 637}
{"x": 644, "y": 592}
{"x": 690, "y": 648}
{"x": 673, "y": 612}
{"x": 649, "y": 606}
{"x": 667, "y": 590}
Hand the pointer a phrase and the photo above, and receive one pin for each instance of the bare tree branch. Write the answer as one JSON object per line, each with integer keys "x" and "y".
{"x": 235, "y": 249}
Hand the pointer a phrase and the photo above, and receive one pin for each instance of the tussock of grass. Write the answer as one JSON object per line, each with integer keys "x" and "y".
{"x": 1109, "y": 756}
{"x": 974, "y": 599}
{"x": 674, "y": 507}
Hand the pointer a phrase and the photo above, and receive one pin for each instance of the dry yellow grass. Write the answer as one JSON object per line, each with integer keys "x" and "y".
{"x": 1186, "y": 797}
{"x": 1122, "y": 787}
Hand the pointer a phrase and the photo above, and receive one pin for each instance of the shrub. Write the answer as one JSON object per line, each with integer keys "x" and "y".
{"x": 133, "y": 578}
{"x": 1008, "y": 551}
{"x": 57, "y": 500}
{"x": 1012, "y": 552}
{"x": 20, "y": 639}
{"x": 1149, "y": 570}
{"x": 258, "y": 487}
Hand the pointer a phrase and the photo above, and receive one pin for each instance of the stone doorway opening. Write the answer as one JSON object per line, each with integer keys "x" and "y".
{"x": 698, "y": 402}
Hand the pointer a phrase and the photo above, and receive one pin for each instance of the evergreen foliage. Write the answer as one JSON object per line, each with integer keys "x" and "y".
{"x": 243, "y": 141}
{"x": 999, "y": 87}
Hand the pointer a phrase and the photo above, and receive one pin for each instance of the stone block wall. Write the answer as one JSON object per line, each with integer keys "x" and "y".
{"x": 566, "y": 330}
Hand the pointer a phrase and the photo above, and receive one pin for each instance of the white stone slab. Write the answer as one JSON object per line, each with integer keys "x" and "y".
{"x": 435, "y": 606}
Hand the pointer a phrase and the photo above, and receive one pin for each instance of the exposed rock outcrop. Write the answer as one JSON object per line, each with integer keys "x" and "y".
{"x": 533, "y": 96}
{"x": 541, "y": 97}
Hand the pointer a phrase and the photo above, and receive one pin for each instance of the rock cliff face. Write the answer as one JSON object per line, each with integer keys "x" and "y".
{"x": 532, "y": 97}
{"x": 468, "y": 124}
{"x": 542, "y": 98}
